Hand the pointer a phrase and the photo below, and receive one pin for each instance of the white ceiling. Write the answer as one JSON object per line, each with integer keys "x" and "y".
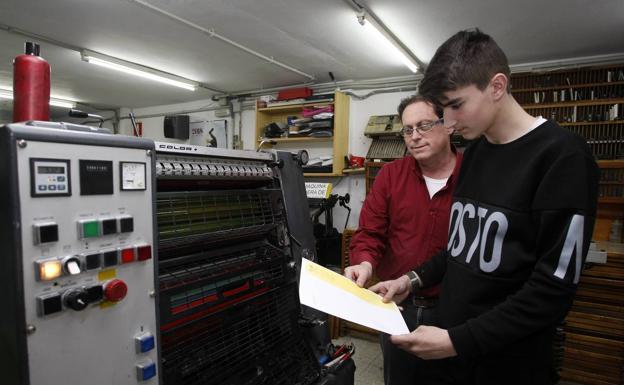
{"x": 313, "y": 36}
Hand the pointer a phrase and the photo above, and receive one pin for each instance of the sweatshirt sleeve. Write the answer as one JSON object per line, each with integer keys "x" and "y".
{"x": 563, "y": 210}
{"x": 432, "y": 271}
{"x": 369, "y": 241}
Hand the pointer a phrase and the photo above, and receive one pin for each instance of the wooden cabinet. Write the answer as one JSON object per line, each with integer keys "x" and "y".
{"x": 372, "y": 169}
{"x": 610, "y": 200}
{"x": 590, "y": 102}
{"x": 594, "y": 328}
{"x": 337, "y": 144}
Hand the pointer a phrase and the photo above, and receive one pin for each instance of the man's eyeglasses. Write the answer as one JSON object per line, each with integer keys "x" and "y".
{"x": 421, "y": 128}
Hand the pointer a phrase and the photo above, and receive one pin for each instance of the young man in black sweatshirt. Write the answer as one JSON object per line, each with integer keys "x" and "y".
{"x": 521, "y": 221}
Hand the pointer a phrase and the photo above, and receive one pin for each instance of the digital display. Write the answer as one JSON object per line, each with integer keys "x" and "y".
{"x": 50, "y": 170}
{"x": 50, "y": 177}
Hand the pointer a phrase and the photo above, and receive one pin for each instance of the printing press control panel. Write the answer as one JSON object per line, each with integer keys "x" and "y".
{"x": 88, "y": 263}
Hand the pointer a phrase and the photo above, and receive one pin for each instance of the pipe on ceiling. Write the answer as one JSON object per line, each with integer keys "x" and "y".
{"x": 211, "y": 32}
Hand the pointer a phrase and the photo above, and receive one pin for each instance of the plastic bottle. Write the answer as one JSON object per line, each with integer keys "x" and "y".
{"x": 31, "y": 85}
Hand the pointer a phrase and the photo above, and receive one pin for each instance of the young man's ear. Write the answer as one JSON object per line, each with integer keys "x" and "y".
{"x": 499, "y": 84}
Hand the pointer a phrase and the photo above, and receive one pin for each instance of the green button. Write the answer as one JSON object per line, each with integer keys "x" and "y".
{"x": 91, "y": 229}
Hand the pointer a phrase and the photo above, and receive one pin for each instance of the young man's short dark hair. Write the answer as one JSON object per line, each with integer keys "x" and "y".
{"x": 415, "y": 99}
{"x": 469, "y": 57}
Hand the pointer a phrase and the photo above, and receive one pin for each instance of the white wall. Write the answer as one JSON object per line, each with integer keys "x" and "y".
{"x": 153, "y": 124}
{"x": 359, "y": 113}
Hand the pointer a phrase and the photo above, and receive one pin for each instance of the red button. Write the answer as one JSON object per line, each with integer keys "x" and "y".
{"x": 144, "y": 252}
{"x": 127, "y": 255}
{"x": 115, "y": 290}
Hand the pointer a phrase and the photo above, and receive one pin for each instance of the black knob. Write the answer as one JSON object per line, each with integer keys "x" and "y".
{"x": 76, "y": 299}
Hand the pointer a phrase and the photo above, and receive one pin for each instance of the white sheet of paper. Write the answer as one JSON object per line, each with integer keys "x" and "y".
{"x": 331, "y": 293}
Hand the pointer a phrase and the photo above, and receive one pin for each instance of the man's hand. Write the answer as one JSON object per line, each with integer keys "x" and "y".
{"x": 427, "y": 342}
{"x": 396, "y": 290}
{"x": 359, "y": 273}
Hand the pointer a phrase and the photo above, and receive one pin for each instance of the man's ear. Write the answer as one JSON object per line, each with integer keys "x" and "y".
{"x": 499, "y": 84}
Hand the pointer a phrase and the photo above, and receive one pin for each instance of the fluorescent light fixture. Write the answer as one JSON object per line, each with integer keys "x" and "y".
{"x": 388, "y": 40}
{"x": 7, "y": 93}
{"x": 136, "y": 70}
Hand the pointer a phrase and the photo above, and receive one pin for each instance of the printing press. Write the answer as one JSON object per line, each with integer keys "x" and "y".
{"x": 134, "y": 262}
{"x": 229, "y": 306}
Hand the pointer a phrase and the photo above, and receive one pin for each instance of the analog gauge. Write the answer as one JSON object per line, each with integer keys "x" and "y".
{"x": 132, "y": 176}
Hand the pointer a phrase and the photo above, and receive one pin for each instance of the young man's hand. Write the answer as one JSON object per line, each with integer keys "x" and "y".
{"x": 427, "y": 342}
{"x": 360, "y": 274}
{"x": 396, "y": 290}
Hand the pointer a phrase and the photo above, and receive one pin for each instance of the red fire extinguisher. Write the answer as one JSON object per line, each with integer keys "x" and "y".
{"x": 31, "y": 86}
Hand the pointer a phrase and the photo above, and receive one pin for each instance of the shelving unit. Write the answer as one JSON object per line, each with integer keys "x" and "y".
{"x": 338, "y": 142}
{"x": 372, "y": 169}
{"x": 588, "y": 101}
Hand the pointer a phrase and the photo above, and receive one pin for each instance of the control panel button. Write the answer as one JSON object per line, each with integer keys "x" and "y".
{"x": 95, "y": 293}
{"x": 93, "y": 261}
{"x": 89, "y": 229}
{"x": 45, "y": 233}
{"x": 49, "y": 304}
{"x": 115, "y": 290}
{"x": 111, "y": 258}
{"x": 146, "y": 370}
{"x": 126, "y": 224}
{"x": 71, "y": 265}
{"x": 144, "y": 252}
{"x": 76, "y": 299}
{"x": 144, "y": 342}
{"x": 128, "y": 255}
{"x": 48, "y": 269}
{"x": 109, "y": 226}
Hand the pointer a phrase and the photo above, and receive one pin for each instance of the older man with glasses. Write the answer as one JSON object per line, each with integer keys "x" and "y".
{"x": 405, "y": 220}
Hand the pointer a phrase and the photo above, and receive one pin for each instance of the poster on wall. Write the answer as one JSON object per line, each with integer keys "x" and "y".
{"x": 210, "y": 133}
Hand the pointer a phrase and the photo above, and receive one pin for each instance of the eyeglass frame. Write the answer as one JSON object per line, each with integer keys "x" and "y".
{"x": 421, "y": 128}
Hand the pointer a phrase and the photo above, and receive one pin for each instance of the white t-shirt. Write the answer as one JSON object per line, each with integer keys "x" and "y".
{"x": 434, "y": 185}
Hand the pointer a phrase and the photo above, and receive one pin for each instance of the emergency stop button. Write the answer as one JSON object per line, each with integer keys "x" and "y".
{"x": 115, "y": 290}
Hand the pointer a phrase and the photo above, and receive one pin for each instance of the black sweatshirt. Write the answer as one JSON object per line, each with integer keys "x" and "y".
{"x": 521, "y": 222}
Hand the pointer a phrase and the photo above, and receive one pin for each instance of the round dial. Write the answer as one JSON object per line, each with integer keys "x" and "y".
{"x": 76, "y": 299}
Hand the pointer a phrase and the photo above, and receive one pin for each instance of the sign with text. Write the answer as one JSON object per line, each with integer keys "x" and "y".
{"x": 318, "y": 190}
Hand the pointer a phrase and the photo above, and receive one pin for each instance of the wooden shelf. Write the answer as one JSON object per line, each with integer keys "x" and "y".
{"x": 615, "y": 163}
{"x": 336, "y": 145}
{"x": 352, "y": 171}
{"x": 321, "y": 174}
{"x": 298, "y": 139}
{"x": 574, "y": 103}
{"x": 618, "y": 200}
{"x": 552, "y": 88}
{"x": 294, "y": 107}
{"x": 599, "y": 122}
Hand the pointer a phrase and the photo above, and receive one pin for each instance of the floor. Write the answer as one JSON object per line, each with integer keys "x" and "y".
{"x": 368, "y": 361}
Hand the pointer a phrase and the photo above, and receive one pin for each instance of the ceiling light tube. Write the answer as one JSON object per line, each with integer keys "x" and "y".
{"x": 367, "y": 21}
{"x": 136, "y": 70}
{"x": 8, "y": 94}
